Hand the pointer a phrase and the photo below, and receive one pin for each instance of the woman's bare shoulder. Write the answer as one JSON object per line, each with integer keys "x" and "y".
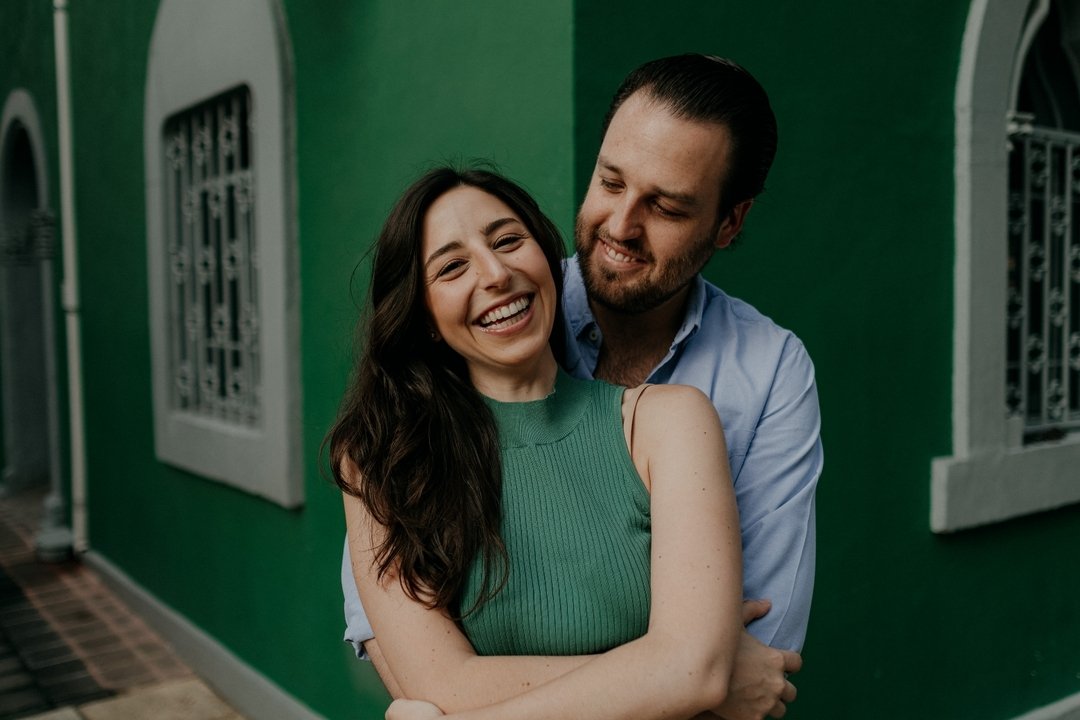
{"x": 666, "y": 402}
{"x": 665, "y": 417}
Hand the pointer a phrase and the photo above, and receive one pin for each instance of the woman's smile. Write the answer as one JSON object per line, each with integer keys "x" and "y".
{"x": 505, "y": 317}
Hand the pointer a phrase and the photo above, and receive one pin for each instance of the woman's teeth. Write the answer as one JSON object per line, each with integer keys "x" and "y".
{"x": 491, "y": 320}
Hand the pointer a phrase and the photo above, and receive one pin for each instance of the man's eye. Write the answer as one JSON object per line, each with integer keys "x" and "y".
{"x": 666, "y": 212}
{"x": 610, "y": 185}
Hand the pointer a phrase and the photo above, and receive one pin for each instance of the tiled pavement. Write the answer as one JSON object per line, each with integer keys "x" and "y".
{"x": 70, "y": 650}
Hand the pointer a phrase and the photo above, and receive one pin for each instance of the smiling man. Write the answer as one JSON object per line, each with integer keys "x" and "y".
{"x": 688, "y": 142}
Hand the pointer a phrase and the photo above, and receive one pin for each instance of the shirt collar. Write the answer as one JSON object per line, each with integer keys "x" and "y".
{"x": 575, "y": 303}
{"x": 695, "y": 310}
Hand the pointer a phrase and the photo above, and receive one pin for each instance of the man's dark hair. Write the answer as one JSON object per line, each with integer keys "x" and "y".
{"x": 710, "y": 89}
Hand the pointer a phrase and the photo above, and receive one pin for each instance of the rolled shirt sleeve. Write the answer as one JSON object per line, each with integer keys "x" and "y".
{"x": 357, "y": 627}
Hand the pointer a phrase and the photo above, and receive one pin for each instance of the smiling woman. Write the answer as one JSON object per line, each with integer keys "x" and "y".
{"x": 413, "y": 424}
{"x": 512, "y": 527}
{"x": 491, "y": 293}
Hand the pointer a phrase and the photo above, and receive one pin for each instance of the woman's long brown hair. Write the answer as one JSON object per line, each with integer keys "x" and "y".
{"x": 423, "y": 442}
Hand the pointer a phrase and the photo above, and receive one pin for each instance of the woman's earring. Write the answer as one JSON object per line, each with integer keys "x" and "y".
{"x": 434, "y": 335}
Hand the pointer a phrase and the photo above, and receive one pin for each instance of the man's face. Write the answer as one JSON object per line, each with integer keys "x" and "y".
{"x": 649, "y": 221}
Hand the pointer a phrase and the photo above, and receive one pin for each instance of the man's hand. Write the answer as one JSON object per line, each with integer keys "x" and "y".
{"x": 412, "y": 710}
{"x": 759, "y": 686}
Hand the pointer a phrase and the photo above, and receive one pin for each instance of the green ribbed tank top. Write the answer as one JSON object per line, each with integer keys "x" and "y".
{"x": 576, "y": 525}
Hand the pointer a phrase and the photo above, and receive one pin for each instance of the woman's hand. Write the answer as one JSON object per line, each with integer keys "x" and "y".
{"x": 412, "y": 710}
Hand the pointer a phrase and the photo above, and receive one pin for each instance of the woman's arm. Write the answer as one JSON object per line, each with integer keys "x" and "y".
{"x": 421, "y": 653}
{"x": 680, "y": 667}
{"x": 759, "y": 685}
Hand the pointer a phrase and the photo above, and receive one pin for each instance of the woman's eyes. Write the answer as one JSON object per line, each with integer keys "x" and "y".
{"x": 507, "y": 241}
{"x": 504, "y": 243}
{"x": 450, "y": 268}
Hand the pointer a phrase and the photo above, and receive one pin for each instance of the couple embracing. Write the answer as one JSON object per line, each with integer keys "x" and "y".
{"x": 584, "y": 488}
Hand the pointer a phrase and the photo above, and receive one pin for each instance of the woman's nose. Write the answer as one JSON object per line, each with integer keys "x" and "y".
{"x": 492, "y": 270}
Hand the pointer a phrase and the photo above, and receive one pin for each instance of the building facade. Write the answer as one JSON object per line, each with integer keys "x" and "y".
{"x": 232, "y": 160}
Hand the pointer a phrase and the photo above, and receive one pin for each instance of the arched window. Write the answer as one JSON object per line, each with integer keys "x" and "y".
{"x": 221, "y": 245}
{"x": 1016, "y": 382}
{"x": 1043, "y": 324}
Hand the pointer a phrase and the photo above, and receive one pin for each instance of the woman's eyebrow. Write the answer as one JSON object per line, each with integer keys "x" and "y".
{"x": 457, "y": 244}
{"x": 448, "y": 247}
{"x": 496, "y": 224}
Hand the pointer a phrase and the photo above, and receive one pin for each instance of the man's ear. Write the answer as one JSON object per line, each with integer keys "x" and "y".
{"x": 731, "y": 225}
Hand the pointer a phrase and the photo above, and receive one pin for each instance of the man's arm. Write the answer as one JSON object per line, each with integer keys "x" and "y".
{"x": 775, "y": 490}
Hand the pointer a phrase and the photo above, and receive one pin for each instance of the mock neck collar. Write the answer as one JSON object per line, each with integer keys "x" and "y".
{"x": 543, "y": 421}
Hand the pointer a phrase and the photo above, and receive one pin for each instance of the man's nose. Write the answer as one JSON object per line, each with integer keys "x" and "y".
{"x": 624, "y": 222}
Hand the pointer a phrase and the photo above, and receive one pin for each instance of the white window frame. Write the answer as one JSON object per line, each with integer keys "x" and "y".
{"x": 199, "y": 49}
{"x": 992, "y": 475}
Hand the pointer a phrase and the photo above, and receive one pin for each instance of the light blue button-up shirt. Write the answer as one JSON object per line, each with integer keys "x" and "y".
{"x": 761, "y": 381}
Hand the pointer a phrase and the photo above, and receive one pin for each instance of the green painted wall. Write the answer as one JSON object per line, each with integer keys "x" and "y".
{"x": 852, "y": 247}
{"x": 382, "y": 90}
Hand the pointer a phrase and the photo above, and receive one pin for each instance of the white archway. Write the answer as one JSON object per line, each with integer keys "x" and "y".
{"x": 30, "y": 406}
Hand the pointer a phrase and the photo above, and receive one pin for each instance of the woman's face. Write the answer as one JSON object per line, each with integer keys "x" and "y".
{"x": 487, "y": 284}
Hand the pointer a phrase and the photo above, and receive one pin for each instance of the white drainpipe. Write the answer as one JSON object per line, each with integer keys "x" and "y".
{"x": 71, "y": 279}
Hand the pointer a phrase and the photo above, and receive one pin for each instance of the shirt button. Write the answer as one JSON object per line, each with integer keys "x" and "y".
{"x": 594, "y": 336}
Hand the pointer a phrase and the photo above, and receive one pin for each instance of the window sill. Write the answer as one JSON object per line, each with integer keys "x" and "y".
{"x": 1001, "y": 483}
{"x": 252, "y": 460}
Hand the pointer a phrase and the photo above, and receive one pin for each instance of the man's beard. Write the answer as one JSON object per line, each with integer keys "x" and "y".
{"x": 641, "y": 295}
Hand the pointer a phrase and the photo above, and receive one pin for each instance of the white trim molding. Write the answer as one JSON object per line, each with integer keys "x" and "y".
{"x": 1064, "y": 709}
{"x": 244, "y": 688}
{"x": 200, "y": 49}
{"x": 991, "y": 475}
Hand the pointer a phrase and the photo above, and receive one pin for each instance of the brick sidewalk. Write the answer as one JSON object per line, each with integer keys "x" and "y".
{"x": 70, "y": 649}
